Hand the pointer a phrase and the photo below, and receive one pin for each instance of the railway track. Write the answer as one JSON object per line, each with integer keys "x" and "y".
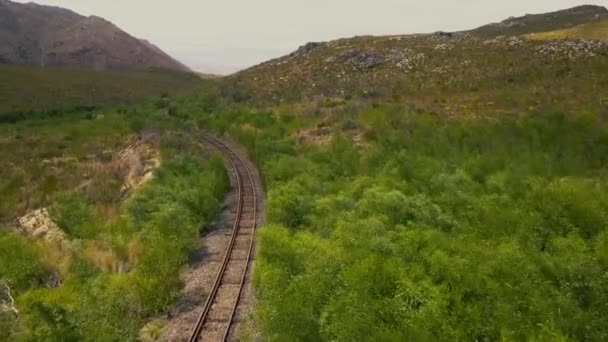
{"x": 219, "y": 319}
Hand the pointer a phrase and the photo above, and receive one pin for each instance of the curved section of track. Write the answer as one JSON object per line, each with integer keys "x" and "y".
{"x": 219, "y": 316}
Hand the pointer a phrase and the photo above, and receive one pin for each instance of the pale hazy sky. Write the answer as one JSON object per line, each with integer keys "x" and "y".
{"x": 226, "y": 35}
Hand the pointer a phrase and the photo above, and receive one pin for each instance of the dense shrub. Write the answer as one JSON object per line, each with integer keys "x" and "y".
{"x": 74, "y": 215}
{"x": 145, "y": 246}
{"x": 20, "y": 265}
{"x": 435, "y": 229}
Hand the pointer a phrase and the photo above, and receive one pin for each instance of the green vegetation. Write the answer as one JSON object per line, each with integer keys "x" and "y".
{"x": 43, "y": 156}
{"x": 118, "y": 265}
{"x": 459, "y": 75}
{"x": 440, "y": 187}
{"x": 430, "y": 228}
{"x": 552, "y": 21}
{"x": 598, "y": 30}
{"x": 56, "y": 91}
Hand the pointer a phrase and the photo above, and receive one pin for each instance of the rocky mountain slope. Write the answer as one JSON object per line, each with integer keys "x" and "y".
{"x": 476, "y": 72}
{"x": 53, "y": 36}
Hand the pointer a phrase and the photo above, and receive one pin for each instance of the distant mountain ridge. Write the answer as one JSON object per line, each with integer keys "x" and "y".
{"x": 53, "y": 36}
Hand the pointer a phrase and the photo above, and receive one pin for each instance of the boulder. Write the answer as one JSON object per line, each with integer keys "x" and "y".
{"x": 441, "y": 34}
{"x": 362, "y": 60}
{"x": 38, "y": 224}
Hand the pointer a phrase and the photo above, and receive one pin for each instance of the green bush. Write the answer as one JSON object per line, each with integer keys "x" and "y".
{"x": 20, "y": 265}
{"x": 75, "y": 216}
{"x": 435, "y": 229}
{"x": 124, "y": 270}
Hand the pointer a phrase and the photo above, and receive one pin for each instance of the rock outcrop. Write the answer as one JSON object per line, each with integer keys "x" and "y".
{"x": 362, "y": 60}
{"x": 573, "y": 48}
{"x": 140, "y": 160}
{"x": 38, "y": 224}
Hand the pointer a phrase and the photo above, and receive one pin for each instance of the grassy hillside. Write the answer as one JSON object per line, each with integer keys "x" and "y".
{"x": 26, "y": 90}
{"x": 452, "y": 74}
{"x": 106, "y": 263}
{"x": 74, "y": 144}
{"x": 42, "y": 157}
{"x": 531, "y": 23}
{"x": 597, "y": 30}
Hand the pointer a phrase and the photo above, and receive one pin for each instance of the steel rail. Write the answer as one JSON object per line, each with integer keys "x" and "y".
{"x": 233, "y": 158}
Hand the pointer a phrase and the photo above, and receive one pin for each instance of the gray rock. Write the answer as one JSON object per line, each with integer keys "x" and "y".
{"x": 406, "y": 59}
{"x": 441, "y": 34}
{"x": 573, "y": 49}
{"x": 307, "y": 48}
{"x": 362, "y": 60}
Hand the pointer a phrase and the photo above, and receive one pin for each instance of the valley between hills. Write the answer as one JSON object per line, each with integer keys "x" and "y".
{"x": 445, "y": 186}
